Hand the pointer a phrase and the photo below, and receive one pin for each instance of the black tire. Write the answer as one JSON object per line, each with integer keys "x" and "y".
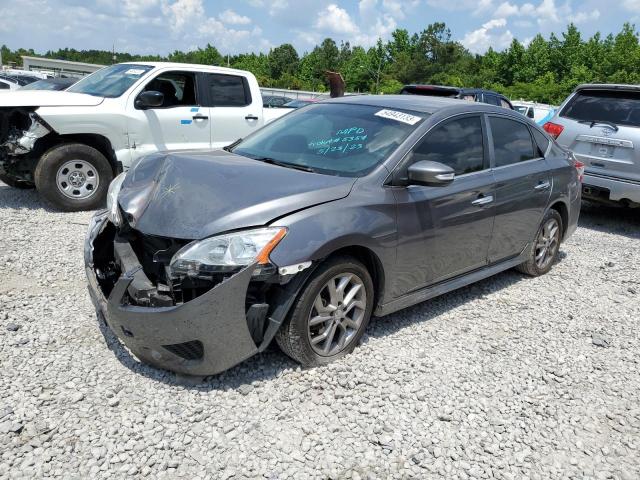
{"x": 15, "y": 183}
{"x": 532, "y": 267}
{"x": 51, "y": 162}
{"x": 293, "y": 337}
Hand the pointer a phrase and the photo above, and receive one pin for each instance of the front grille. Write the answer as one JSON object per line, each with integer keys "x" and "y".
{"x": 192, "y": 350}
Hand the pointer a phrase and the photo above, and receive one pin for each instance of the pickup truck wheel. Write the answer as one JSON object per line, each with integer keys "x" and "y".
{"x": 546, "y": 246}
{"x": 73, "y": 177}
{"x": 330, "y": 314}
{"x": 14, "y": 182}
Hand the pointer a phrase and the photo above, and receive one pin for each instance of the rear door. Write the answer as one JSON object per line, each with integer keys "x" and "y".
{"x": 602, "y": 128}
{"x": 234, "y": 113}
{"x": 445, "y": 231}
{"x": 522, "y": 189}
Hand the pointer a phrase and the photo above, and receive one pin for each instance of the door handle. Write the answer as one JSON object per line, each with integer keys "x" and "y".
{"x": 200, "y": 117}
{"x": 251, "y": 117}
{"x": 483, "y": 200}
{"x": 542, "y": 186}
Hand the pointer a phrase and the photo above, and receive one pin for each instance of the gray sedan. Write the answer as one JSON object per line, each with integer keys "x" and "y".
{"x": 301, "y": 232}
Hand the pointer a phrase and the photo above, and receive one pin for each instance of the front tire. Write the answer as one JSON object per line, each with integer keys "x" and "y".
{"x": 546, "y": 246}
{"x": 330, "y": 315}
{"x": 73, "y": 177}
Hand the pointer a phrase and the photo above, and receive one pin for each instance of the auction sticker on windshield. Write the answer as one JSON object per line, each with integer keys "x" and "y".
{"x": 398, "y": 116}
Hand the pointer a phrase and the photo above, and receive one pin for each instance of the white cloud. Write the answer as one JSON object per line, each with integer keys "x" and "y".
{"x": 336, "y": 20}
{"x": 583, "y": 17}
{"x": 507, "y": 9}
{"x": 478, "y": 41}
{"x": 182, "y": 12}
{"x": 232, "y": 18}
{"x": 633, "y": 5}
{"x": 545, "y": 11}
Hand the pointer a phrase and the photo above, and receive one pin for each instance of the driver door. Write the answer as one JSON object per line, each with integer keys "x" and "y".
{"x": 445, "y": 231}
{"x": 179, "y": 123}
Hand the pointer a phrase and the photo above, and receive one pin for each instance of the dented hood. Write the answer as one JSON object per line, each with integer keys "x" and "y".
{"x": 47, "y": 98}
{"x": 193, "y": 195}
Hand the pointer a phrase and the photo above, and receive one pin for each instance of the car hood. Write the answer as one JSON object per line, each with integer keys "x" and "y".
{"x": 48, "y": 98}
{"x": 193, "y": 195}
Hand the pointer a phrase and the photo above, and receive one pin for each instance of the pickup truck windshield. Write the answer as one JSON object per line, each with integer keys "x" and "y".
{"x": 332, "y": 138}
{"x": 110, "y": 82}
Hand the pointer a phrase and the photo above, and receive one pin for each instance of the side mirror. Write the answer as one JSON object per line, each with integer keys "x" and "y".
{"x": 150, "y": 99}
{"x": 432, "y": 174}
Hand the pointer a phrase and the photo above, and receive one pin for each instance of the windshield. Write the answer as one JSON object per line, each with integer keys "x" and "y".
{"x": 46, "y": 85}
{"x": 111, "y": 82}
{"x": 333, "y": 138}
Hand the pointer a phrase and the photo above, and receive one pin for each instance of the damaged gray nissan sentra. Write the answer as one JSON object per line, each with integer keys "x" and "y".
{"x": 300, "y": 232}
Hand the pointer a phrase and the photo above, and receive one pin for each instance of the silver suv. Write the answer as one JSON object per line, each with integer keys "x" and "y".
{"x": 601, "y": 125}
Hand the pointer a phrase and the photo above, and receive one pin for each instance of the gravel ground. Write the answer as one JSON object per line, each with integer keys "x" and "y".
{"x": 510, "y": 378}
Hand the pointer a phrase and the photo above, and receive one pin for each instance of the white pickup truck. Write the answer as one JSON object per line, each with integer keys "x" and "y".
{"x": 70, "y": 144}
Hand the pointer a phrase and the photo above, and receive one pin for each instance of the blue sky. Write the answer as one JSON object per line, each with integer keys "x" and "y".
{"x": 233, "y": 26}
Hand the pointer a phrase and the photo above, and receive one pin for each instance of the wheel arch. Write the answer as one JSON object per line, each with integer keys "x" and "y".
{"x": 372, "y": 263}
{"x": 99, "y": 142}
{"x": 561, "y": 207}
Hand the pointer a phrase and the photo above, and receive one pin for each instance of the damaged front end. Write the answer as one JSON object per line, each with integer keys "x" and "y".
{"x": 20, "y": 129}
{"x": 191, "y": 322}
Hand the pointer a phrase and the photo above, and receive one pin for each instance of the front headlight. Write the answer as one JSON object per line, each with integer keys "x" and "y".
{"x": 226, "y": 253}
{"x": 113, "y": 212}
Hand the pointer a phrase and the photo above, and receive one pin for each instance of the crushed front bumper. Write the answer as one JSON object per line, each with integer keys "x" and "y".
{"x": 204, "y": 336}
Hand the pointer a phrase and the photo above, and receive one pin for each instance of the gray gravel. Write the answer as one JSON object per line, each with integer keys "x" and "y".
{"x": 510, "y": 378}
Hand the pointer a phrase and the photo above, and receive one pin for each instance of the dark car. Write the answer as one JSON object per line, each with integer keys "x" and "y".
{"x": 274, "y": 101}
{"x": 349, "y": 208}
{"x": 470, "y": 94}
{"x": 51, "y": 84}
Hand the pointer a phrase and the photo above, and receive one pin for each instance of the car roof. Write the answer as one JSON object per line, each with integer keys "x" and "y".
{"x": 607, "y": 86}
{"x": 420, "y": 103}
{"x": 187, "y": 66}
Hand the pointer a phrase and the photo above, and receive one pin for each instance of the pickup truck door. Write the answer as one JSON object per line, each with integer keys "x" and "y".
{"x": 181, "y": 122}
{"x": 233, "y": 112}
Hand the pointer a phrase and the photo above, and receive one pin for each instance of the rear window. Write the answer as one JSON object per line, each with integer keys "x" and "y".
{"x": 430, "y": 91}
{"x": 619, "y": 107}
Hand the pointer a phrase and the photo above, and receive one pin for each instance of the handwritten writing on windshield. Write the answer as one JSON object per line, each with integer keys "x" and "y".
{"x": 345, "y": 140}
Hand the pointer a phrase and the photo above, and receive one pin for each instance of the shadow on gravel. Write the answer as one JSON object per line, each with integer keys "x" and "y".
{"x": 16, "y": 199}
{"x": 610, "y": 219}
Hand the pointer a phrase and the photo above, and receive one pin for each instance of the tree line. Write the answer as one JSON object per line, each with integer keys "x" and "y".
{"x": 543, "y": 70}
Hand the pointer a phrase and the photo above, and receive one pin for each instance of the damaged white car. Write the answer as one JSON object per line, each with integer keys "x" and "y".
{"x": 70, "y": 144}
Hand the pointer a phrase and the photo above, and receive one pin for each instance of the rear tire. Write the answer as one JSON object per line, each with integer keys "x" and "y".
{"x": 341, "y": 318}
{"x": 73, "y": 177}
{"x": 546, "y": 246}
{"x": 15, "y": 183}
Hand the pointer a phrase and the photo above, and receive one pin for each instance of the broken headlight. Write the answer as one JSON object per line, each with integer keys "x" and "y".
{"x": 113, "y": 212}
{"x": 227, "y": 253}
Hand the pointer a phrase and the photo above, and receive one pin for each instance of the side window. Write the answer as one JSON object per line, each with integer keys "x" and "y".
{"x": 456, "y": 143}
{"x": 530, "y": 113}
{"x": 178, "y": 88}
{"x": 228, "y": 90}
{"x": 511, "y": 141}
{"x": 504, "y": 104}
{"x": 542, "y": 142}
{"x": 491, "y": 99}
{"x": 469, "y": 98}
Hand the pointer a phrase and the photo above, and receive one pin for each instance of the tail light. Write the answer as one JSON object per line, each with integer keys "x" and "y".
{"x": 580, "y": 168}
{"x": 553, "y": 129}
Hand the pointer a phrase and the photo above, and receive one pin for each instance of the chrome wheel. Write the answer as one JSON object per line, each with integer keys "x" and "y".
{"x": 77, "y": 179}
{"x": 547, "y": 243}
{"x": 337, "y": 314}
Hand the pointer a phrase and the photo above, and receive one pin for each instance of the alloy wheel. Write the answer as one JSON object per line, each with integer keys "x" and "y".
{"x": 337, "y": 314}
{"x": 547, "y": 243}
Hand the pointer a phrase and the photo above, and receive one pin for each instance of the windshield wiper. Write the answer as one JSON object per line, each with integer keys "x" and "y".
{"x": 273, "y": 161}
{"x": 230, "y": 147}
{"x": 591, "y": 123}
